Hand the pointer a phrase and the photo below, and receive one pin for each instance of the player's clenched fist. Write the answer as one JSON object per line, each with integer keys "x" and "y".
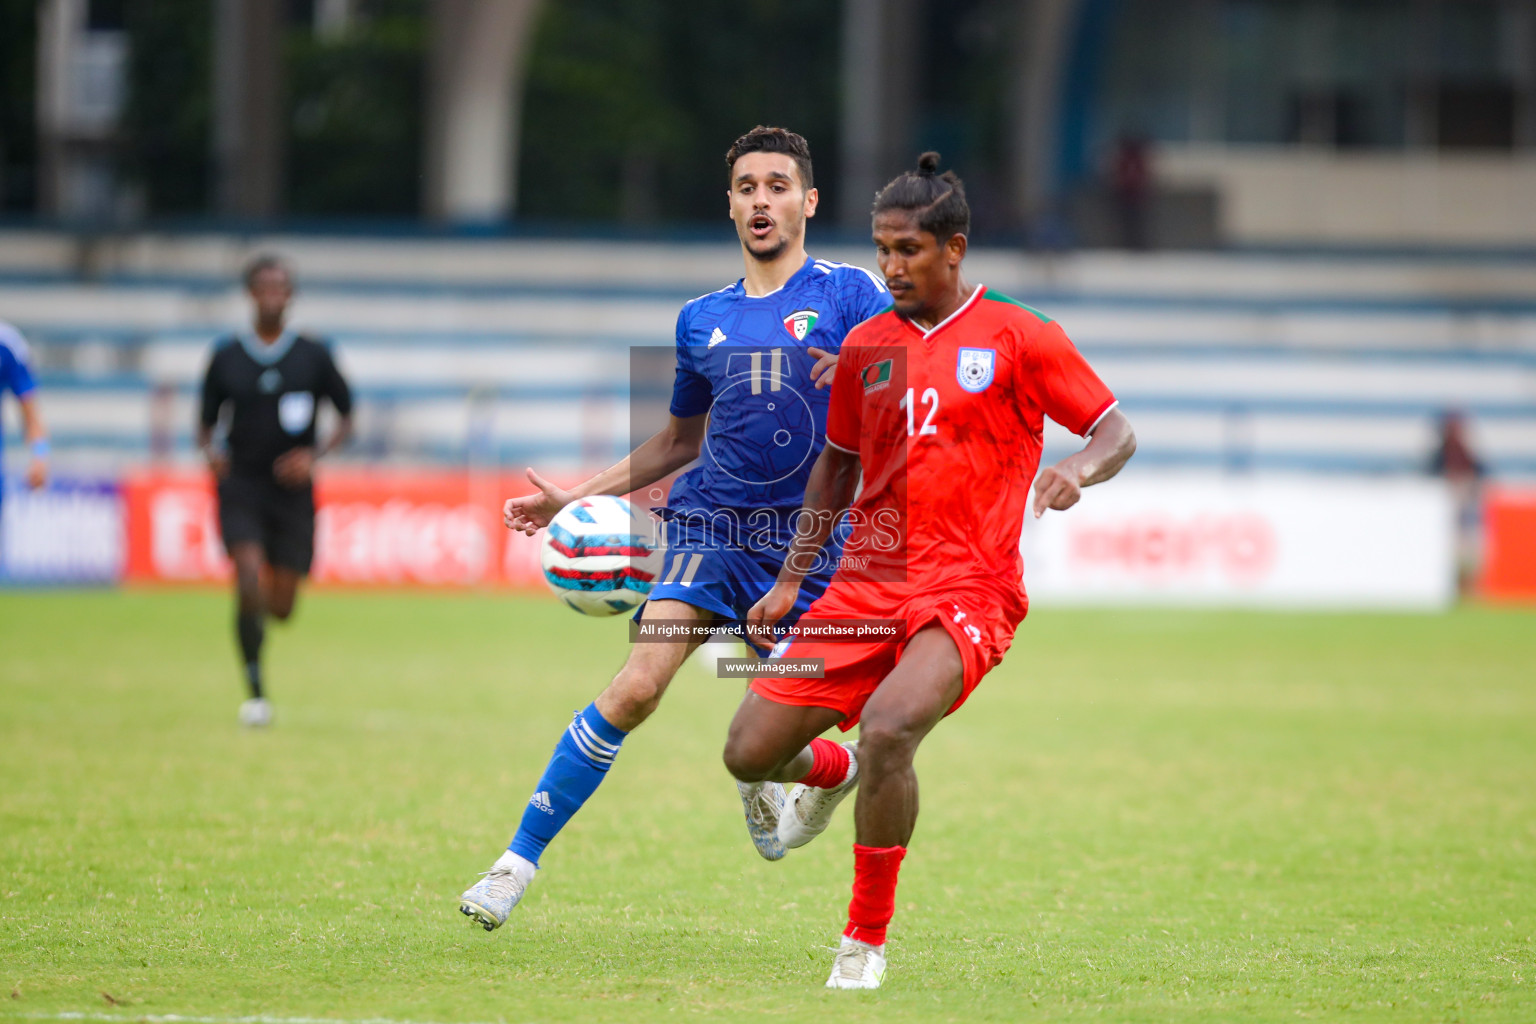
{"x": 1055, "y": 489}
{"x": 769, "y": 609}
{"x": 218, "y": 461}
{"x": 295, "y": 467}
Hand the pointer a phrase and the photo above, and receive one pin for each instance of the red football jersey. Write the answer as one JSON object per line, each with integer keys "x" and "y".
{"x": 948, "y": 425}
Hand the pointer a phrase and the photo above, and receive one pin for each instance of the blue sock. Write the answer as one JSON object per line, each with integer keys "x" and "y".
{"x": 581, "y": 759}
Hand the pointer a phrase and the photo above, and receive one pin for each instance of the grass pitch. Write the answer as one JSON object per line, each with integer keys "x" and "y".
{"x": 1139, "y": 817}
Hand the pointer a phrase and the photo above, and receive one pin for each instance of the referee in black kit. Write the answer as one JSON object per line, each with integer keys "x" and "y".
{"x": 271, "y": 380}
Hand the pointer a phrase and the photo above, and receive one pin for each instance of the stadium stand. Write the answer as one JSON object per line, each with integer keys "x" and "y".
{"x": 498, "y": 351}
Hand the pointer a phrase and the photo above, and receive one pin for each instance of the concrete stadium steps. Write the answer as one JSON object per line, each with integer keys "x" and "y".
{"x": 515, "y": 350}
{"x": 113, "y": 311}
{"x": 1245, "y": 408}
{"x": 125, "y": 315}
{"x": 1373, "y": 381}
{"x": 1373, "y": 444}
{"x": 607, "y": 264}
{"x": 463, "y": 363}
{"x": 1411, "y": 382}
{"x": 118, "y": 423}
{"x": 1250, "y": 377}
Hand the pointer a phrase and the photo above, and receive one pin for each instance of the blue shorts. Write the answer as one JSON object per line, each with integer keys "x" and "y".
{"x": 726, "y": 560}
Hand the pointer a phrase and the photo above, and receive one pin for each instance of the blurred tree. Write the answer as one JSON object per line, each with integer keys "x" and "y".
{"x": 18, "y": 100}
{"x": 628, "y": 110}
{"x": 168, "y": 122}
{"x": 965, "y": 90}
{"x": 631, "y": 104}
{"x": 355, "y": 100}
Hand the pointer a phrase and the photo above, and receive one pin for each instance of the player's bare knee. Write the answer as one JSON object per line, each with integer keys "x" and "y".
{"x": 282, "y": 594}
{"x": 741, "y": 768}
{"x": 749, "y": 760}
{"x": 887, "y": 741}
{"x": 746, "y": 765}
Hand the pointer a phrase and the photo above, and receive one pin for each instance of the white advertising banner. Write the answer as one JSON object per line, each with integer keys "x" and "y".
{"x": 1232, "y": 541}
{"x": 68, "y": 532}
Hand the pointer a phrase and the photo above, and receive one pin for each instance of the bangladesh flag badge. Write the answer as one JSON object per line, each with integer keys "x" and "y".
{"x": 800, "y": 323}
{"x": 876, "y": 375}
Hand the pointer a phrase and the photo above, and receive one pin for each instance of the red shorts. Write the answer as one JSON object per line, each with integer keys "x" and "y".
{"x": 977, "y": 614}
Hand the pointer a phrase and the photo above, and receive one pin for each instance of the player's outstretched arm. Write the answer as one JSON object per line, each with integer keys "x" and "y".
{"x": 830, "y": 489}
{"x": 37, "y": 440}
{"x": 659, "y": 456}
{"x": 1111, "y": 446}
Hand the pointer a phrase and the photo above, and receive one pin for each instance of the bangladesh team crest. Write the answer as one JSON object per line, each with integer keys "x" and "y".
{"x": 975, "y": 368}
{"x": 801, "y": 322}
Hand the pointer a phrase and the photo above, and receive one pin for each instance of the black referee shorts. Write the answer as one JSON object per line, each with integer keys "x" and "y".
{"x": 280, "y": 519}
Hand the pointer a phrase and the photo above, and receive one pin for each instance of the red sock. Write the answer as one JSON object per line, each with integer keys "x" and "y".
{"x": 874, "y": 892}
{"x": 830, "y": 767}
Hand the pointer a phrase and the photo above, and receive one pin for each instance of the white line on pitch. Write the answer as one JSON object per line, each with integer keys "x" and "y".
{"x": 176, "y": 1018}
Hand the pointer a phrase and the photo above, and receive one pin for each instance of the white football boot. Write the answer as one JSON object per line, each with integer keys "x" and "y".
{"x": 256, "y": 713}
{"x": 490, "y": 900}
{"x": 857, "y": 965}
{"x": 808, "y": 810}
{"x": 763, "y": 803}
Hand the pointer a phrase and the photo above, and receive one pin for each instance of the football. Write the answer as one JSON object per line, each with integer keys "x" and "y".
{"x": 601, "y": 555}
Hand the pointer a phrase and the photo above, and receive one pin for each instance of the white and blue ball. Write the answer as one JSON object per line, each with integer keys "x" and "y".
{"x": 601, "y": 555}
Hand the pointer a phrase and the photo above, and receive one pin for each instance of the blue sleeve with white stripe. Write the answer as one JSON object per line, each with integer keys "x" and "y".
{"x": 862, "y": 295}
{"x": 14, "y": 371}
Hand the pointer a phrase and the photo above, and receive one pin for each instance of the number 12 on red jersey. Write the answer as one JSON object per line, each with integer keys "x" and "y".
{"x": 931, "y": 400}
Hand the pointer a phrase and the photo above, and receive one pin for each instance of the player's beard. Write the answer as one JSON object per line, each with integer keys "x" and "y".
{"x": 788, "y": 233}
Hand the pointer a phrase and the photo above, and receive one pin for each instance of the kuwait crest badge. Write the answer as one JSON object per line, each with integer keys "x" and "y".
{"x": 800, "y": 323}
{"x": 974, "y": 369}
{"x": 876, "y": 375}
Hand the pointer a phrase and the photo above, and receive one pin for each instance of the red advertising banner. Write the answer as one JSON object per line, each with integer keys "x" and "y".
{"x": 442, "y": 528}
{"x": 1509, "y": 554}
{"x": 172, "y": 528}
{"x": 430, "y": 528}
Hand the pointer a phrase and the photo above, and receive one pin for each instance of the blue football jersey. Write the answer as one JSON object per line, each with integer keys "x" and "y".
{"x": 743, "y": 360}
{"x": 15, "y": 374}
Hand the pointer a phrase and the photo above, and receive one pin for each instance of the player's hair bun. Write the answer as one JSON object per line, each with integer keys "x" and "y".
{"x": 937, "y": 199}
